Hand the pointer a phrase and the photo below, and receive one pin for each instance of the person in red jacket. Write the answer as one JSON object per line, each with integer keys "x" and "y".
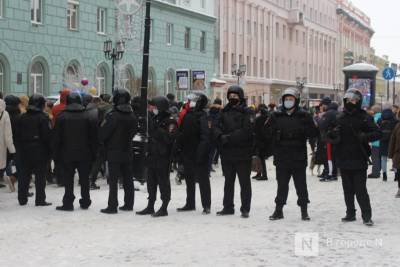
{"x": 63, "y": 101}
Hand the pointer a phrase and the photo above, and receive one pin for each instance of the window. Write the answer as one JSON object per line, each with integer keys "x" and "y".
{"x": 151, "y": 30}
{"x": 255, "y": 29}
{"x": 203, "y": 41}
{"x": 169, "y": 81}
{"x": 187, "y": 38}
{"x": 277, "y": 30}
{"x": 284, "y": 32}
{"x": 127, "y": 79}
{"x": 101, "y": 20}
{"x": 1, "y": 8}
{"x": 101, "y": 80}
{"x": 36, "y": 78}
{"x": 169, "y": 33}
{"x": 72, "y": 73}
{"x": 36, "y": 11}
{"x": 248, "y": 27}
{"x": 203, "y": 3}
{"x": 72, "y": 15}
{"x": 1, "y": 76}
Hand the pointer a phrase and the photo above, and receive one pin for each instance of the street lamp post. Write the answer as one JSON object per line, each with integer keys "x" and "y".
{"x": 300, "y": 83}
{"x": 113, "y": 54}
{"x": 239, "y": 71}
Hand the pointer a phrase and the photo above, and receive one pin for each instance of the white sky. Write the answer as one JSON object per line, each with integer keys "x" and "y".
{"x": 385, "y": 19}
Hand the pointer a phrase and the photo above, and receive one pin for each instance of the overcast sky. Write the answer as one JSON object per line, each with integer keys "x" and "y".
{"x": 385, "y": 18}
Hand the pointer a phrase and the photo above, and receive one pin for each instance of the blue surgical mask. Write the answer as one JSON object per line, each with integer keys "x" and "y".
{"x": 288, "y": 104}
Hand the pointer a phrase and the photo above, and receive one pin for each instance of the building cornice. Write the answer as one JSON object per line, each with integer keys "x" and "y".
{"x": 183, "y": 10}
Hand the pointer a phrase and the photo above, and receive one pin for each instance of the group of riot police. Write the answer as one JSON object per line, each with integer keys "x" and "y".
{"x": 74, "y": 140}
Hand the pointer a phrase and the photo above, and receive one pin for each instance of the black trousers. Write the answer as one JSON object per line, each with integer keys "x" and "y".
{"x": 83, "y": 168}
{"x": 159, "y": 176}
{"x": 197, "y": 172}
{"x": 355, "y": 184}
{"x": 243, "y": 170}
{"x": 264, "y": 167}
{"x": 96, "y": 167}
{"x": 123, "y": 171}
{"x": 27, "y": 168}
{"x": 60, "y": 171}
{"x": 283, "y": 175}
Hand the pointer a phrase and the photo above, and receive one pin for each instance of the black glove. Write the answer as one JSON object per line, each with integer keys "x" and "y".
{"x": 11, "y": 156}
{"x": 224, "y": 139}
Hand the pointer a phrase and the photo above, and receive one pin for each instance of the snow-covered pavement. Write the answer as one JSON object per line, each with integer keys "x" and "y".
{"x": 42, "y": 236}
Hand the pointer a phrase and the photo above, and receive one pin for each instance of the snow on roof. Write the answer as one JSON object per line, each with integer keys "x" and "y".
{"x": 361, "y": 67}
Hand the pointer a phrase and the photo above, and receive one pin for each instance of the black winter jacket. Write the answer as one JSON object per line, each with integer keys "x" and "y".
{"x": 116, "y": 134}
{"x": 353, "y": 132}
{"x": 289, "y": 134}
{"x": 234, "y": 133}
{"x": 162, "y": 134}
{"x": 33, "y": 136}
{"x": 75, "y": 135}
{"x": 194, "y": 137}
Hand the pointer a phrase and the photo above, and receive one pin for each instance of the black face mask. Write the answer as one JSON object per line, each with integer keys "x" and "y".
{"x": 233, "y": 101}
{"x": 350, "y": 107}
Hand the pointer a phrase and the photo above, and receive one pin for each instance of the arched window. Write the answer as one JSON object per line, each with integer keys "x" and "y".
{"x": 127, "y": 79}
{"x": 101, "y": 76}
{"x": 170, "y": 82}
{"x": 152, "y": 83}
{"x": 73, "y": 73}
{"x": 2, "y": 78}
{"x": 36, "y": 80}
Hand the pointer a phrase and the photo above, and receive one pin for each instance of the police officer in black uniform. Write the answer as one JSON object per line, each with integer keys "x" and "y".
{"x": 116, "y": 133}
{"x": 194, "y": 143}
{"x": 162, "y": 132}
{"x": 75, "y": 144}
{"x": 234, "y": 135}
{"x": 352, "y": 132}
{"x": 289, "y": 128}
{"x": 33, "y": 138}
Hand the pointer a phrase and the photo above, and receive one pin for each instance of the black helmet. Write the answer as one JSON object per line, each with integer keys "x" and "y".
{"x": 121, "y": 97}
{"x": 87, "y": 98}
{"x": 12, "y": 100}
{"x": 36, "y": 102}
{"x": 291, "y": 91}
{"x": 161, "y": 102}
{"x": 200, "y": 99}
{"x": 74, "y": 98}
{"x": 353, "y": 94}
{"x": 235, "y": 89}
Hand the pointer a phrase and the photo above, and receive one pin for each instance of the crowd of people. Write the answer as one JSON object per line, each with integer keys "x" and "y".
{"x": 89, "y": 134}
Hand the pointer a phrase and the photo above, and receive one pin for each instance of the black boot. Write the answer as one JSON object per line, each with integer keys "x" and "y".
{"x": 148, "y": 210}
{"x": 350, "y": 216}
{"x": 385, "y": 177}
{"x": 65, "y": 208}
{"x": 162, "y": 212}
{"x": 224, "y": 212}
{"x": 109, "y": 210}
{"x": 186, "y": 208}
{"x": 304, "y": 214}
{"x": 206, "y": 211}
{"x": 278, "y": 214}
{"x": 126, "y": 208}
{"x": 368, "y": 222}
{"x": 396, "y": 175}
{"x": 43, "y": 204}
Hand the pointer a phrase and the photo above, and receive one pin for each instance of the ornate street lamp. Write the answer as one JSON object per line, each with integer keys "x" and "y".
{"x": 113, "y": 54}
{"x": 239, "y": 71}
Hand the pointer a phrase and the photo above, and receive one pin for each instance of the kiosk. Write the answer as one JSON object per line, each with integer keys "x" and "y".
{"x": 362, "y": 76}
